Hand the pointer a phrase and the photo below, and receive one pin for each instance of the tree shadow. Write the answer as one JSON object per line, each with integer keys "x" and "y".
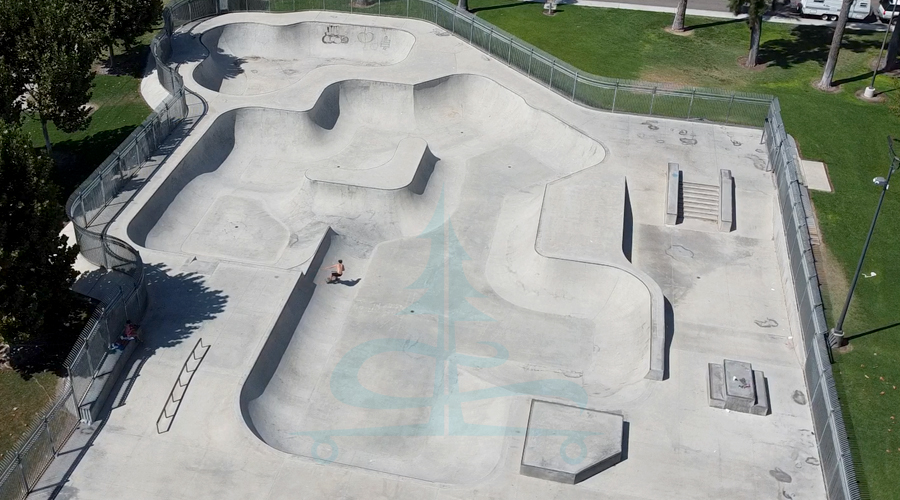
{"x": 504, "y": 6}
{"x": 713, "y": 24}
{"x": 76, "y": 159}
{"x": 810, "y": 43}
{"x": 132, "y": 62}
{"x": 48, "y": 352}
{"x": 179, "y": 304}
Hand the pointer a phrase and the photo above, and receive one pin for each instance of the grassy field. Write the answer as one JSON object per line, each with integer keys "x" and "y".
{"x": 120, "y": 109}
{"x": 22, "y": 399}
{"x": 846, "y": 133}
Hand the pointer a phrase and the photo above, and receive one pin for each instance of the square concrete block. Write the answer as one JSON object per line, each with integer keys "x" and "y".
{"x": 568, "y": 444}
{"x": 736, "y": 386}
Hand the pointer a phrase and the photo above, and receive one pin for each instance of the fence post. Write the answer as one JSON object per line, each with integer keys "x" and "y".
{"x": 472, "y": 29}
{"x": 72, "y": 388}
{"x": 615, "y": 93}
{"x": 652, "y": 98}
{"x": 509, "y": 51}
{"x": 407, "y": 9}
{"x": 191, "y": 11}
{"x": 490, "y": 39}
{"x": 728, "y": 114}
{"x": 50, "y": 435}
{"x": 691, "y": 105}
{"x": 574, "y": 85}
{"x": 22, "y": 471}
{"x": 552, "y": 66}
{"x": 530, "y": 57}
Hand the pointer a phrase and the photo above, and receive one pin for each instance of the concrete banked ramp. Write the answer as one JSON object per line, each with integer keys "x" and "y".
{"x": 253, "y": 58}
{"x": 359, "y": 177}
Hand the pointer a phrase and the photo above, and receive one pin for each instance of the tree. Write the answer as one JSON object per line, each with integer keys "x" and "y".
{"x": 55, "y": 57}
{"x": 828, "y": 74}
{"x": 12, "y": 84}
{"x": 462, "y": 5}
{"x": 678, "y": 22}
{"x": 755, "y": 11}
{"x": 35, "y": 260}
{"x": 123, "y": 21}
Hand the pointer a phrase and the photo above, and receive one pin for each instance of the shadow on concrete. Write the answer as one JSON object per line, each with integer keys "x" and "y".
{"x": 670, "y": 335}
{"x": 178, "y": 305}
{"x": 626, "y": 433}
{"x": 628, "y": 227}
{"x": 346, "y": 282}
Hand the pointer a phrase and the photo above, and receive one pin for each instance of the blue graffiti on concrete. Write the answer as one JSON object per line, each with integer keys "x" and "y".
{"x": 446, "y": 290}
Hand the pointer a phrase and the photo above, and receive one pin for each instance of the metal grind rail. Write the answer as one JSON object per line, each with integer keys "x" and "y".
{"x": 173, "y": 402}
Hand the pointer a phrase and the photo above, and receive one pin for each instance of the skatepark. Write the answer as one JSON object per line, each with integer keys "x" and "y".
{"x": 503, "y": 245}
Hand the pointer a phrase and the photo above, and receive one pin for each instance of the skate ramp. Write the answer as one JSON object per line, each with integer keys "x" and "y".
{"x": 261, "y": 184}
{"x": 254, "y": 58}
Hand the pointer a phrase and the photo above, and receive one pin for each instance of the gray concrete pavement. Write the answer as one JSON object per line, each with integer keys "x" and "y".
{"x": 517, "y": 271}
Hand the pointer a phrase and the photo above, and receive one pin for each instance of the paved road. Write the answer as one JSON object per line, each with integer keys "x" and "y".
{"x": 718, "y": 9}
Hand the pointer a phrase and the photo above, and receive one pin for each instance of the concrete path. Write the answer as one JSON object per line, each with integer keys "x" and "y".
{"x": 520, "y": 268}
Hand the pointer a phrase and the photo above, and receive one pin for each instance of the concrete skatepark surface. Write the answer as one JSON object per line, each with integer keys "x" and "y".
{"x": 501, "y": 244}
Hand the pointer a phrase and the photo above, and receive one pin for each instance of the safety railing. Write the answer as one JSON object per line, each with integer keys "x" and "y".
{"x": 615, "y": 95}
{"x": 830, "y": 432}
{"x": 610, "y": 94}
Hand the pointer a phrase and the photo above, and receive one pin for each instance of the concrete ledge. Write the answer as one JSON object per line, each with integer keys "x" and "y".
{"x": 113, "y": 364}
{"x": 726, "y": 201}
{"x": 672, "y": 183}
{"x": 409, "y": 168}
{"x": 567, "y": 444}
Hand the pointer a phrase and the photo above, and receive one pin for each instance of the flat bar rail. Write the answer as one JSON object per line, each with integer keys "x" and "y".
{"x": 198, "y": 353}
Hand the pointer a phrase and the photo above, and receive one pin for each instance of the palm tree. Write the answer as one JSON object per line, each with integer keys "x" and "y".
{"x": 755, "y": 11}
{"x": 828, "y": 74}
{"x": 678, "y": 23}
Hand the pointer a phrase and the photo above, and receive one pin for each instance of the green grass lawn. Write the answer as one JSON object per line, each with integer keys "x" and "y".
{"x": 846, "y": 133}
{"x": 120, "y": 108}
{"x": 22, "y": 400}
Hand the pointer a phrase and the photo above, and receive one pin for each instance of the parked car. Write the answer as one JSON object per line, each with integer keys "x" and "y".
{"x": 830, "y": 9}
{"x": 885, "y": 12}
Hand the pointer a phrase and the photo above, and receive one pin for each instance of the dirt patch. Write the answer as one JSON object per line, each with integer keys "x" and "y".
{"x": 668, "y": 75}
{"x": 833, "y": 279}
{"x": 760, "y": 66}
{"x": 684, "y": 32}
{"x": 834, "y": 89}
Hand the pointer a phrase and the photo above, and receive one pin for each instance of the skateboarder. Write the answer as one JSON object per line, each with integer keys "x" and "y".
{"x": 337, "y": 273}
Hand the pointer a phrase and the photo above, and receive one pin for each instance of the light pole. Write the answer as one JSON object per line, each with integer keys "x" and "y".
{"x": 870, "y": 90}
{"x": 837, "y": 333}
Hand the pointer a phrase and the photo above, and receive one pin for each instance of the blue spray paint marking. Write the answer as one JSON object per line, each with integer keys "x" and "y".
{"x": 445, "y": 259}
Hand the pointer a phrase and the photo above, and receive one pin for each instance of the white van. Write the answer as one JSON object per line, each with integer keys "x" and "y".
{"x": 884, "y": 10}
{"x": 830, "y": 9}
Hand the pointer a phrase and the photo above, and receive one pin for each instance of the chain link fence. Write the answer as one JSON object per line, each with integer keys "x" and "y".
{"x": 830, "y": 431}
{"x": 21, "y": 469}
